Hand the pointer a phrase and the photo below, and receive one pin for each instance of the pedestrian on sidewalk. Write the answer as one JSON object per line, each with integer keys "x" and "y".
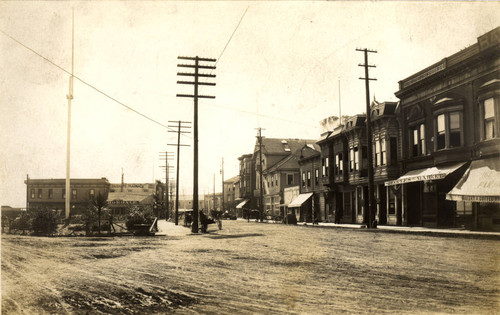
{"x": 339, "y": 213}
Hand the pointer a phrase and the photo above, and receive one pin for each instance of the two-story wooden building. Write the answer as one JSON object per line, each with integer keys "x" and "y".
{"x": 246, "y": 184}
{"x": 51, "y": 193}
{"x": 385, "y": 130}
{"x": 280, "y": 169}
{"x": 311, "y": 173}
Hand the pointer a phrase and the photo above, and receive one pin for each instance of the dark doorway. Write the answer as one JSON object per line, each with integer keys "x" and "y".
{"x": 339, "y": 210}
{"x": 382, "y": 204}
{"x": 413, "y": 206}
{"x": 446, "y": 211}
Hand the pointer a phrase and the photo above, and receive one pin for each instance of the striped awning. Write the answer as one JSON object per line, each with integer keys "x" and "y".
{"x": 241, "y": 204}
{"x": 480, "y": 183}
{"x": 431, "y": 173}
{"x": 299, "y": 200}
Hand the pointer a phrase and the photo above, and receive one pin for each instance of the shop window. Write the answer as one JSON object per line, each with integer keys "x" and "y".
{"x": 489, "y": 118}
{"x": 464, "y": 208}
{"x": 392, "y": 202}
{"x": 359, "y": 202}
{"x": 289, "y": 179}
{"x": 51, "y": 194}
{"x": 39, "y": 193}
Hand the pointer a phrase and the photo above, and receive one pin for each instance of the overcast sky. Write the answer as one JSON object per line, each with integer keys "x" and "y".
{"x": 280, "y": 71}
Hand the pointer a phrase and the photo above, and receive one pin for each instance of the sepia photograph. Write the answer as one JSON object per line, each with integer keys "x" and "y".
{"x": 250, "y": 157}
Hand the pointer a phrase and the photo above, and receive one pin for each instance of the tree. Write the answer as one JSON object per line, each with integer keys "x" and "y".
{"x": 22, "y": 222}
{"x": 44, "y": 221}
{"x": 99, "y": 202}
{"x": 89, "y": 217}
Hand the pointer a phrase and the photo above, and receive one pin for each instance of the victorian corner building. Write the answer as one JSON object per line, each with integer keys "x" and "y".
{"x": 436, "y": 154}
{"x": 449, "y": 140}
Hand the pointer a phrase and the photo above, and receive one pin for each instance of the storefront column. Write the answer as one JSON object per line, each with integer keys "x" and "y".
{"x": 404, "y": 206}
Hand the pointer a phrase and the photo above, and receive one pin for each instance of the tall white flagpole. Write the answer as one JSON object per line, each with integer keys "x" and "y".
{"x": 69, "y": 97}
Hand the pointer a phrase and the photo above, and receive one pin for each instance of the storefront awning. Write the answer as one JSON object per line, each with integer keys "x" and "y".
{"x": 241, "y": 204}
{"x": 431, "y": 173}
{"x": 480, "y": 183}
{"x": 299, "y": 200}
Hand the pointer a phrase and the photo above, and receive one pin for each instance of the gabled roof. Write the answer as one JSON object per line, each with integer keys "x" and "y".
{"x": 232, "y": 180}
{"x": 289, "y": 162}
{"x": 280, "y": 146}
{"x": 308, "y": 152}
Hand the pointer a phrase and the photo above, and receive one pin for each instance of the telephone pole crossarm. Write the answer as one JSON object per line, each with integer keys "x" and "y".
{"x": 196, "y": 83}
{"x": 371, "y": 198}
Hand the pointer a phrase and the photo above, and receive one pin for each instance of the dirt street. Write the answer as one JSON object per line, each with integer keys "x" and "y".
{"x": 251, "y": 268}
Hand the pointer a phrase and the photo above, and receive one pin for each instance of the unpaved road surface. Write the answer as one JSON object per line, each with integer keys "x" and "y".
{"x": 251, "y": 268}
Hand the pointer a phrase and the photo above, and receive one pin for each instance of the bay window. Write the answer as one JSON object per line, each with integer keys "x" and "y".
{"x": 351, "y": 160}
{"x": 383, "y": 154}
{"x": 489, "y": 118}
{"x": 338, "y": 164}
{"x": 356, "y": 159}
{"x": 449, "y": 130}
{"x": 455, "y": 129}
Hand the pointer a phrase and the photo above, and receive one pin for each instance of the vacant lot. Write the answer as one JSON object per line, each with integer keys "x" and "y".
{"x": 251, "y": 268}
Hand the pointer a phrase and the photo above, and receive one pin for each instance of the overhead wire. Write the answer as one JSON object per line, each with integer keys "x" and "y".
{"x": 136, "y": 111}
{"x": 84, "y": 82}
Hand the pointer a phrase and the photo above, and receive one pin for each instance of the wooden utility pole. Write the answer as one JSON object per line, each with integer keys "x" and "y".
{"x": 179, "y": 126}
{"x": 167, "y": 156}
{"x": 371, "y": 199}
{"x": 27, "y": 192}
{"x": 261, "y": 197}
{"x": 215, "y": 204}
{"x": 222, "y": 173}
{"x": 195, "y": 97}
{"x": 67, "y": 197}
